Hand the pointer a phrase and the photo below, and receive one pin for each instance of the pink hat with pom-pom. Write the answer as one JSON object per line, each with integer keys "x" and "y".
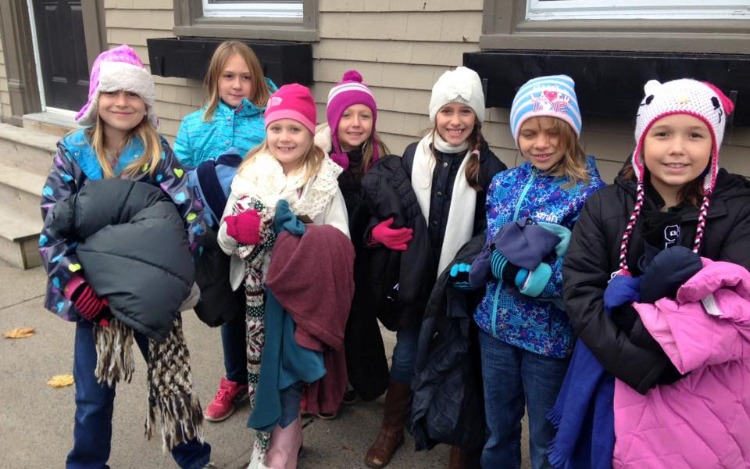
{"x": 348, "y": 92}
{"x": 118, "y": 69}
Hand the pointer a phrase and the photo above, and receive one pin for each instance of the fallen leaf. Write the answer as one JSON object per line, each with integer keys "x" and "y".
{"x": 60, "y": 381}
{"x": 19, "y": 333}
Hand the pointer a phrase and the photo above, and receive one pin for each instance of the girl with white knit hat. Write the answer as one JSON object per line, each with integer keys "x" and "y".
{"x": 634, "y": 246}
{"x": 119, "y": 142}
{"x": 449, "y": 170}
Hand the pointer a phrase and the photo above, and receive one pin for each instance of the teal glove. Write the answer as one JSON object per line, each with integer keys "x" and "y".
{"x": 503, "y": 270}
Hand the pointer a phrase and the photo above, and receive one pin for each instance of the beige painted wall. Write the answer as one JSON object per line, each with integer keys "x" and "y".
{"x": 401, "y": 47}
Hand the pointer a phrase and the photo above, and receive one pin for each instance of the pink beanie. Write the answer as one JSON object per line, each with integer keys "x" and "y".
{"x": 118, "y": 69}
{"x": 295, "y": 102}
{"x": 348, "y": 92}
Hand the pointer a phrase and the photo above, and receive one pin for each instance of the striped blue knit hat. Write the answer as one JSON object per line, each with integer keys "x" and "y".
{"x": 552, "y": 96}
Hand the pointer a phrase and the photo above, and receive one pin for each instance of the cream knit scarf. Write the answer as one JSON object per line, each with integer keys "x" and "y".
{"x": 460, "y": 224}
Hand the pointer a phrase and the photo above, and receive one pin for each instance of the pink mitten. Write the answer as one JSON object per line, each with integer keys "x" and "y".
{"x": 244, "y": 227}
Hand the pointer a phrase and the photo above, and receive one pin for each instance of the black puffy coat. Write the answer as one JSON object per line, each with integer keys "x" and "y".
{"x": 593, "y": 253}
{"x": 398, "y": 283}
{"x": 448, "y": 396}
{"x": 133, "y": 249}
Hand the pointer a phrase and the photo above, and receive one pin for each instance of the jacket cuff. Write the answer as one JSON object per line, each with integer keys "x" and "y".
{"x": 75, "y": 283}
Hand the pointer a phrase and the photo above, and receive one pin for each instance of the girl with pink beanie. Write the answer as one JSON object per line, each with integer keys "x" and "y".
{"x": 283, "y": 182}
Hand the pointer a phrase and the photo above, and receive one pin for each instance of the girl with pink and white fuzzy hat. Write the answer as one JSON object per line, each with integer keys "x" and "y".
{"x": 119, "y": 140}
{"x": 669, "y": 205}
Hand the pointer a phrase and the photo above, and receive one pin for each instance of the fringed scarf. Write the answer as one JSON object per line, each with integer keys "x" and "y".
{"x": 171, "y": 403}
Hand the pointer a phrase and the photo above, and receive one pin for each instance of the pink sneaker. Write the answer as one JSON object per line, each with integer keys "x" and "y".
{"x": 228, "y": 398}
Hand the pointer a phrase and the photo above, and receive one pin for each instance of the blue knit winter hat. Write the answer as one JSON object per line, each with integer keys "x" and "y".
{"x": 552, "y": 96}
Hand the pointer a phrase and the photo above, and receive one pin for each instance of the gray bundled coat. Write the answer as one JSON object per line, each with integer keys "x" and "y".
{"x": 133, "y": 249}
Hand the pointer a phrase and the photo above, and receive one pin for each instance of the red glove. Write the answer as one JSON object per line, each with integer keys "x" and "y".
{"x": 244, "y": 227}
{"x": 392, "y": 238}
{"x": 88, "y": 304}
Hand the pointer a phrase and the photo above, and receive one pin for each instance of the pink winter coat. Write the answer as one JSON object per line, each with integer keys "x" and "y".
{"x": 703, "y": 420}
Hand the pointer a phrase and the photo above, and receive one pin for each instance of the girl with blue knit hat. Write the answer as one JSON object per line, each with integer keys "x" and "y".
{"x": 525, "y": 338}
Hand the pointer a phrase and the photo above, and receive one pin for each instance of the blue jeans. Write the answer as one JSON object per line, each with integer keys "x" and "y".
{"x": 92, "y": 432}
{"x": 405, "y": 354}
{"x": 513, "y": 379}
{"x": 234, "y": 344}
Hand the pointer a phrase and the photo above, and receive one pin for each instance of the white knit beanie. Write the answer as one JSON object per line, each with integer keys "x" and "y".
{"x": 461, "y": 85}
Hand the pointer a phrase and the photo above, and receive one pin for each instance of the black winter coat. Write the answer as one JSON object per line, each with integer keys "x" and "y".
{"x": 448, "y": 396}
{"x": 592, "y": 257}
{"x": 133, "y": 248}
{"x": 398, "y": 283}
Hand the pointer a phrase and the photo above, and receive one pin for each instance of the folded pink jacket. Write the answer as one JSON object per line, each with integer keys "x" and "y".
{"x": 702, "y": 420}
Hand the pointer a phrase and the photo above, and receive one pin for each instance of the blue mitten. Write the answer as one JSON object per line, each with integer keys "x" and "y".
{"x": 666, "y": 273}
{"x": 622, "y": 289}
{"x": 459, "y": 276}
{"x": 534, "y": 282}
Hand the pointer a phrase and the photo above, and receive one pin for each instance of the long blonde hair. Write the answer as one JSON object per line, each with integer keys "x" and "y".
{"x": 222, "y": 54}
{"x": 312, "y": 160}
{"x": 143, "y": 131}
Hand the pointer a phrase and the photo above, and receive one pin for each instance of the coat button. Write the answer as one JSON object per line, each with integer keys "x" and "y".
{"x": 439, "y": 194}
{"x": 445, "y": 164}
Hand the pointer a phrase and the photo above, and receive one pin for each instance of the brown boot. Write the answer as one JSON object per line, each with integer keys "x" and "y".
{"x": 391, "y": 434}
{"x": 457, "y": 458}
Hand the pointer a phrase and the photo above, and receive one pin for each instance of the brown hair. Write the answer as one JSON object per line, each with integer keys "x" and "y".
{"x": 222, "y": 54}
{"x": 573, "y": 164}
{"x": 312, "y": 159}
{"x": 367, "y": 149}
{"x": 143, "y": 131}
{"x": 476, "y": 144}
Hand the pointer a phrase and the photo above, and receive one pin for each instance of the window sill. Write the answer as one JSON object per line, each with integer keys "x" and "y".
{"x": 263, "y": 30}
{"x": 610, "y": 84}
{"x": 188, "y": 57}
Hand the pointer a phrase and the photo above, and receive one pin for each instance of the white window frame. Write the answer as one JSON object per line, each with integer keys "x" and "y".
{"x": 541, "y": 10}
{"x": 259, "y": 9}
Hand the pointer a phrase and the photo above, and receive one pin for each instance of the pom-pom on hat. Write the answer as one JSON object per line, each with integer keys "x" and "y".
{"x": 461, "y": 85}
{"x": 551, "y": 96}
{"x": 118, "y": 69}
{"x": 348, "y": 92}
{"x": 685, "y": 96}
{"x": 295, "y": 102}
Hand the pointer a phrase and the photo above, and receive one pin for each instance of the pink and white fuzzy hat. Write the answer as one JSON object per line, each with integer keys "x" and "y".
{"x": 118, "y": 69}
{"x": 701, "y": 100}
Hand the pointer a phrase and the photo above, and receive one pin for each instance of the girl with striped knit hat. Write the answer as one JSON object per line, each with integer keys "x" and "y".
{"x": 638, "y": 241}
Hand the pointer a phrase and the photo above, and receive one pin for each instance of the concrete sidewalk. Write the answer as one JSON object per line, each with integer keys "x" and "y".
{"x": 37, "y": 427}
{"x": 37, "y": 423}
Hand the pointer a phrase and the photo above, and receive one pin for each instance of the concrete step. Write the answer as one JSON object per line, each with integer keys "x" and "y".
{"x": 28, "y": 149}
{"x": 19, "y": 237}
{"x": 20, "y": 190}
{"x": 56, "y": 123}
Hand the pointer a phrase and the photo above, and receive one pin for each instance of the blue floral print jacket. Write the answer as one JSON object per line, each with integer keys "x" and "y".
{"x": 538, "y": 324}
{"x": 74, "y": 164}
